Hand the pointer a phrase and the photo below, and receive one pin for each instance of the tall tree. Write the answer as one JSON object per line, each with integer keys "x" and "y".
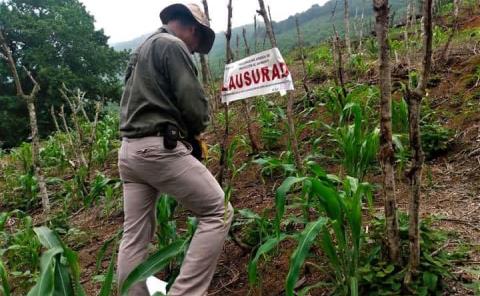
{"x": 386, "y": 153}
{"x": 58, "y": 43}
{"x": 414, "y": 174}
{"x": 30, "y": 101}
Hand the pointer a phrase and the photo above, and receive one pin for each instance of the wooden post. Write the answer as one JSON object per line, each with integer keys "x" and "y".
{"x": 386, "y": 153}
{"x": 30, "y": 101}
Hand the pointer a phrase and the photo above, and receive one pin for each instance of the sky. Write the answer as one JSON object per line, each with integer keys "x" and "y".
{"x": 124, "y": 20}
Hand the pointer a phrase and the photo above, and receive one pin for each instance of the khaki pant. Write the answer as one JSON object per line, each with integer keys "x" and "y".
{"x": 147, "y": 170}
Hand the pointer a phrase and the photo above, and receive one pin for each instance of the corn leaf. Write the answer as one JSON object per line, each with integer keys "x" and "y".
{"x": 280, "y": 199}
{"x": 263, "y": 249}
{"x": 153, "y": 264}
{"x": 107, "y": 283}
{"x": 4, "y": 288}
{"x": 306, "y": 239}
{"x": 45, "y": 283}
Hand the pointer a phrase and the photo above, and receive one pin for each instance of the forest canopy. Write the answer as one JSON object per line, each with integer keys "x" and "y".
{"x": 57, "y": 42}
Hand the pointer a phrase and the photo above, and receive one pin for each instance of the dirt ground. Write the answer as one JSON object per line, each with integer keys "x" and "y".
{"x": 451, "y": 191}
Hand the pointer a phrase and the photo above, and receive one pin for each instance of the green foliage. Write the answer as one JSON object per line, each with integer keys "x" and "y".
{"x": 271, "y": 165}
{"x": 380, "y": 277}
{"x": 19, "y": 247}
{"x": 58, "y": 43}
{"x": 270, "y": 117}
{"x": 59, "y": 267}
{"x": 107, "y": 279}
{"x": 358, "y": 144}
{"x": 161, "y": 259}
{"x": 4, "y": 287}
{"x": 475, "y": 285}
{"x": 306, "y": 239}
{"x": 435, "y": 139}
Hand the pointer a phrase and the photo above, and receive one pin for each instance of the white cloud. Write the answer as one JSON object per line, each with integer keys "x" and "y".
{"x": 124, "y": 20}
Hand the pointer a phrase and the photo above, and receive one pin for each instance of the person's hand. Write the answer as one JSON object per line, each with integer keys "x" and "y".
{"x": 203, "y": 145}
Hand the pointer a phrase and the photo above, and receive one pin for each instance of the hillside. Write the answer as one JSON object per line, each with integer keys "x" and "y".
{"x": 311, "y": 228}
{"x": 315, "y": 23}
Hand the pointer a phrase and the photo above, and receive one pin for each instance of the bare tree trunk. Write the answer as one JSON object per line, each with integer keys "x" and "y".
{"x": 445, "y": 50}
{"x": 386, "y": 153}
{"x": 237, "y": 52}
{"x": 30, "y": 101}
{"x": 340, "y": 69}
{"x": 229, "y": 56}
{"x": 268, "y": 24}
{"x": 346, "y": 20}
{"x": 414, "y": 100}
{"x": 255, "y": 32}
{"x": 246, "y": 106}
{"x": 406, "y": 34}
{"x": 203, "y": 58}
{"x": 271, "y": 24}
{"x": 302, "y": 53}
{"x": 291, "y": 123}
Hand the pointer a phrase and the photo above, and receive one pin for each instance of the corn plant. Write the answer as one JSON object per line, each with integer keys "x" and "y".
{"x": 4, "y": 286}
{"x": 342, "y": 223}
{"x": 59, "y": 267}
{"x": 166, "y": 224}
{"x": 108, "y": 277}
{"x": 19, "y": 247}
{"x": 358, "y": 144}
{"x": 237, "y": 143}
{"x": 23, "y": 154}
{"x": 164, "y": 257}
{"x": 270, "y": 118}
{"x": 272, "y": 166}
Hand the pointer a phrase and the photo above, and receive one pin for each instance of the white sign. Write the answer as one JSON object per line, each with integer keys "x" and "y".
{"x": 259, "y": 74}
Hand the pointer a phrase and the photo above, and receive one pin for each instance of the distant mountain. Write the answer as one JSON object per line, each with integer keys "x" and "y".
{"x": 315, "y": 24}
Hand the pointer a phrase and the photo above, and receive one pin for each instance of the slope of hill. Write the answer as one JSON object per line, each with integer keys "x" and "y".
{"x": 315, "y": 24}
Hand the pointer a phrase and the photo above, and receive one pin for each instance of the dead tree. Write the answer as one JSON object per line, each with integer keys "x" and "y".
{"x": 255, "y": 37}
{"x": 414, "y": 174}
{"x": 30, "y": 101}
{"x": 290, "y": 101}
{"x": 237, "y": 52}
{"x": 268, "y": 25}
{"x": 229, "y": 58}
{"x": 346, "y": 20}
{"x": 302, "y": 54}
{"x": 445, "y": 50}
{"x": 386, "y": 153}
{"x": 203, "y": 58}
{"x": 246, "y": 106}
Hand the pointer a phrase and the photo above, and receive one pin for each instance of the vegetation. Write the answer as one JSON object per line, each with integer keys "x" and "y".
{"x": 307, "y": 222}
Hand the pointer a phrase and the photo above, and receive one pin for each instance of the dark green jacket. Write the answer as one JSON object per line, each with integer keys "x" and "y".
{"x": 162, "y": 86}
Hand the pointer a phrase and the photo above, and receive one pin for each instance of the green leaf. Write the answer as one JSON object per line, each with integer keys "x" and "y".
{"x": 153, "y": 264}
{"x": 45, "y": 283}
{"x": 306, "y": 239}
{"x": 47, "y": 237}
{"x": 280, "y": 199}
{"x": 5, "y": 288}
{"x": 106, "y": 289}
{"x": 328, "y": 198}
{"x": 430, "y": 280}
{"x": 263, "y": 249}
{"x": 62, "y": 280}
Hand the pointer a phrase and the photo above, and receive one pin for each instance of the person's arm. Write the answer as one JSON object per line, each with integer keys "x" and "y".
{"x": 191, "y": 99}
